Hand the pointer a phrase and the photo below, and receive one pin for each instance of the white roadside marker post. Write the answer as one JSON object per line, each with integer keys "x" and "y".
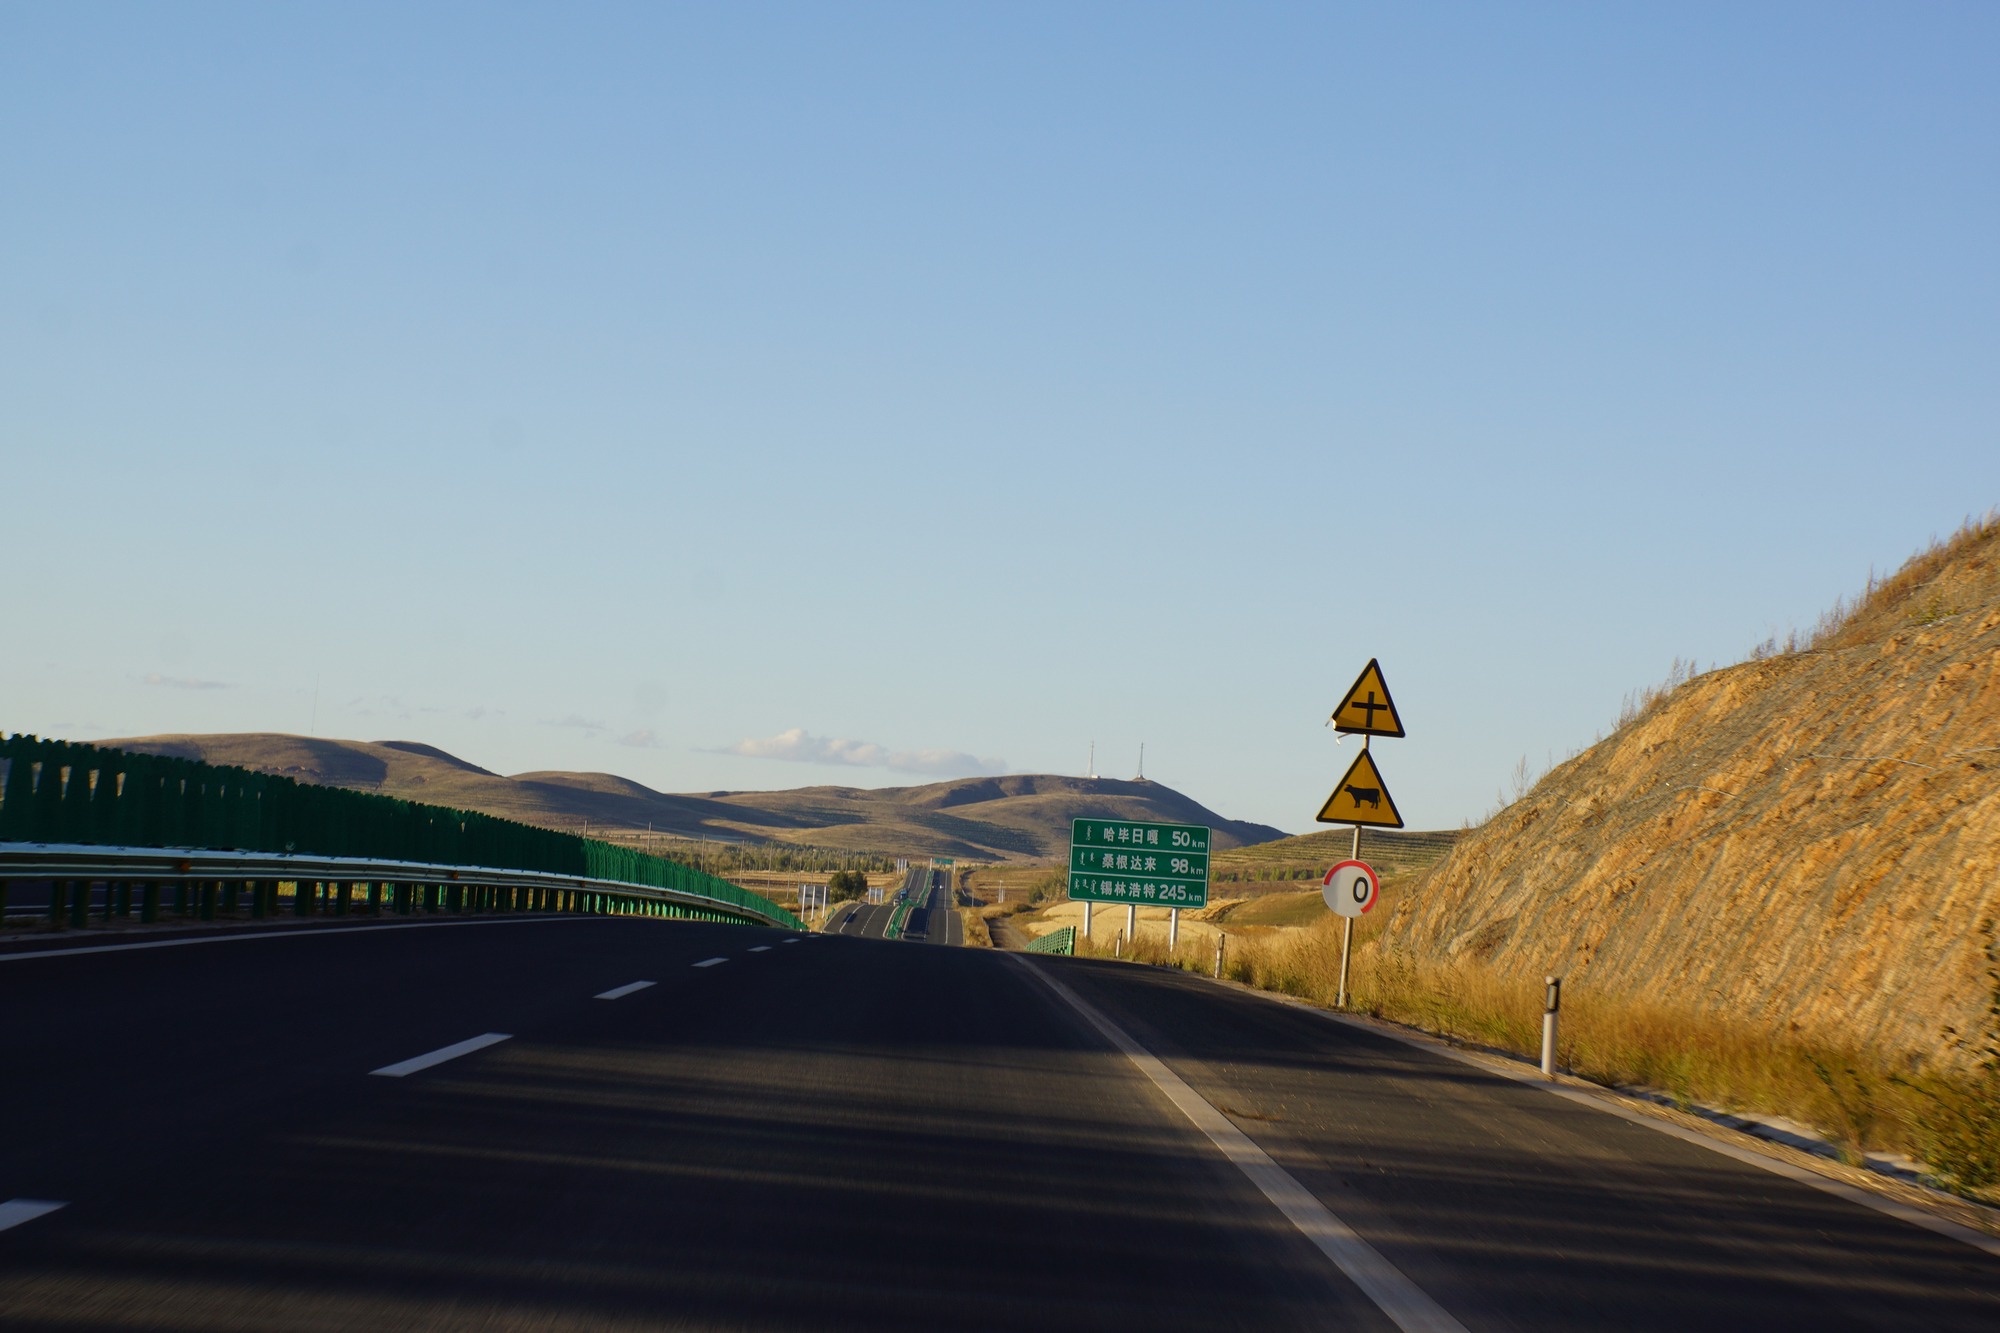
{"x": 1219, "y": 938}
{"x": 1086, "y": 918}
{"x": 1551, "y": 1006}
{"x": 1131, "y": 921}
{"x": 1173, "y": 928}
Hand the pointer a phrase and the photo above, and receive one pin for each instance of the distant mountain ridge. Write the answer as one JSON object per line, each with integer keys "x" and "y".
{"x": 1024, "y": 816}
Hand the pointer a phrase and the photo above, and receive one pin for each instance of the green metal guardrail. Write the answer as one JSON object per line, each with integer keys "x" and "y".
{"x": 897, "y": 919}
{"x": 1056, "y": 941}
{"x": 80, "y": 796}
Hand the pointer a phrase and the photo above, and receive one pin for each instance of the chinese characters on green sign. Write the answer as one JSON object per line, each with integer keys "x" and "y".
{"x": 1124, "y": 861}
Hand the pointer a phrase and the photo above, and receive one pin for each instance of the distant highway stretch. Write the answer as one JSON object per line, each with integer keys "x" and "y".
{"x": 573, "y": 1123}
{"x": 931, "y": 920}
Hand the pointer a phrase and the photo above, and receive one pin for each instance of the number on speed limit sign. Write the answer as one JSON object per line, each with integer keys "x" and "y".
{"x": 1351, "y": 888}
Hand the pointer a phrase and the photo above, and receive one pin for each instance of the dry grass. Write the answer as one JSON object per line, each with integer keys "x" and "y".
{"x": 1857, "y": 1098}
{"x": 976, "y": 934}
{"x": 985, "y": 882}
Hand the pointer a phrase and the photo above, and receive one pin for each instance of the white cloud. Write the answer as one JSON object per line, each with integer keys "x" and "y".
{"x": 642, "y": 740}
{"x": 795, "y": 745}
{"x": 187, "y": 682}
{"x": 574, "y": 721}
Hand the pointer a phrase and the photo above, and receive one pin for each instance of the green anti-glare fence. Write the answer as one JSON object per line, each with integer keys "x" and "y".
{"x": 1056, "y": 941}
{"x": 67, "y": 792}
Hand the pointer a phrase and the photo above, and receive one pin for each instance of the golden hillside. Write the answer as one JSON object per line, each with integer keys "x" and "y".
{"x": 1809, "y": 840}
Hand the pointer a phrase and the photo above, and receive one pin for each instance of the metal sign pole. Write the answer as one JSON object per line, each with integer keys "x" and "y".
{"x": 1347, "y": 922}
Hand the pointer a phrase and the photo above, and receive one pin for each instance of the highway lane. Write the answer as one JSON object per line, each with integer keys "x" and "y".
{"x": 933, "y": 920}
{"x": 833, "y": 1133}
{"x": 871, "y": 921}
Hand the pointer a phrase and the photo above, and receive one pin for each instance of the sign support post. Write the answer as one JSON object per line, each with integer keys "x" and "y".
{"x": 1347, "y": 922}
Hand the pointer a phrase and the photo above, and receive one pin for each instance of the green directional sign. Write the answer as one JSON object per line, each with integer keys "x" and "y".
{"x": 1124, "y": 861}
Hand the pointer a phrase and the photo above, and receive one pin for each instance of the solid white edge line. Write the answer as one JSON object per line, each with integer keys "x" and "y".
{"x": 16, "y": 1211}
{"x": 711, "y": 962}
{"x": 280, "y": 935}
{"x": 1381, "y": 1281}
{"x": 620, "y": 992}
{"x": 1895, "y": 1208}
{"x": 441, "y": 1054}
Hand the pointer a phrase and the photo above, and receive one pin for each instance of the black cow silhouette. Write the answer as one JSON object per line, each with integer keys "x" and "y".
{"x": 1372, "y": 795}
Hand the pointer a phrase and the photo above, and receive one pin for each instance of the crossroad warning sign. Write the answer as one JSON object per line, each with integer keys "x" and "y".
{"x": 1361, "y": 798}
{"x": 1366, "y": 709}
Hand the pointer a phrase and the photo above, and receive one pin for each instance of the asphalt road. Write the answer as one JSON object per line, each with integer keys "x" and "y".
{"x": 926, "y": 924}
{"x": 834, "y": 1133}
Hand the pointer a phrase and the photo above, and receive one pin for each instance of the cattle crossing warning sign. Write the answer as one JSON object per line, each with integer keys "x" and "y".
{"x": 1361, "y": 798}
{"x": 1366, "y": 709}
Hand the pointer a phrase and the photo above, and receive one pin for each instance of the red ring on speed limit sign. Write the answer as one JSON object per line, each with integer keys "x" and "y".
{"x": 1351, "y": 888}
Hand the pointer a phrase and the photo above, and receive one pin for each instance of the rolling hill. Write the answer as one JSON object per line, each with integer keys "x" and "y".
{"x": 1020, "y": 817}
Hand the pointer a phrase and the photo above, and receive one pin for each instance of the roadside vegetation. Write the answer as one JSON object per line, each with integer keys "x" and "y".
{"x": 1948, "y": 1118}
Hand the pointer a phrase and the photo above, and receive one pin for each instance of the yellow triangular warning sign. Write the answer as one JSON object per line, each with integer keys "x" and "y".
{"x": 1361, "y": 798}
{"x": 1367, "y": 709}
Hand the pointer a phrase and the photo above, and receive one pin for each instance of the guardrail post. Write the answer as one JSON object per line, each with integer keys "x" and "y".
{"x": 374, "y": 897}
{"x": 58, "y": 899}
{"x": 205, "y": 898}
{"x": 124, "y": 897}
{"x": 230, "y": 890}
{"x": 149, "y": 902}
{"x": 344, "y": 894}
{"x": 257, "y": 887}
{"x": 3, "y": 904}
{"x": 302, "y": 898}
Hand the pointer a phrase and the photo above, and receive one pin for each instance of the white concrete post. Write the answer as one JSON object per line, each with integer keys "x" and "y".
{"x": 1132, "y": 921}
{"x": 1086, "y": 918}
{"x": 1173, "y": 928}
{"x": 1219, "y": 938}
{"x": 1552, "y": 1004}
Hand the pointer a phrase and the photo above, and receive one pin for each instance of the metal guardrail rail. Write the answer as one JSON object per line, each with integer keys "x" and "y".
{"x": 205, "y": 883}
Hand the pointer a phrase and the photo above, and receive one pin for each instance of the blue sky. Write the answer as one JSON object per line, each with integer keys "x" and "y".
{"x": 753, "y": 396}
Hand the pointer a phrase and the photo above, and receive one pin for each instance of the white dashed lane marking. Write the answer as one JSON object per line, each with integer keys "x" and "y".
{"x": 16, "y": 1211}
{"x": 620, "y": 992}
{"x": 442, "y": 1054}
{"x": 760, "y": 948}
{"x": 711, "y": 962}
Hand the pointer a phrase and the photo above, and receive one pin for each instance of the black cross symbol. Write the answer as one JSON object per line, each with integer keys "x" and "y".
{"x": 1371, "y": 708}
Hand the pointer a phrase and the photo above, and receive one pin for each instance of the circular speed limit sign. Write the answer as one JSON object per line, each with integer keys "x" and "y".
{"x": 1351, "y": 888}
